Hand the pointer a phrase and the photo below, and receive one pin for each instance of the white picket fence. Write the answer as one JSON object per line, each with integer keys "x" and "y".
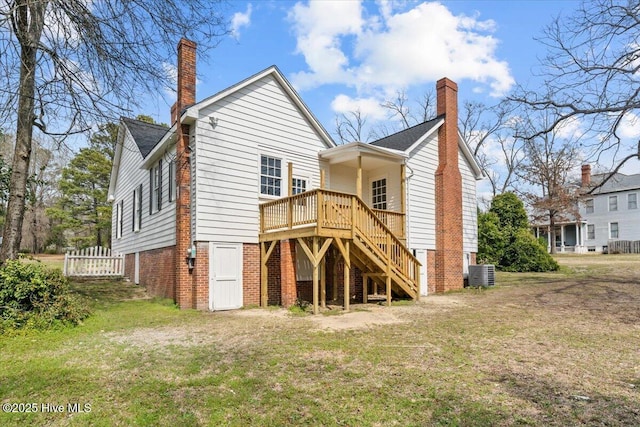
{"x": 96, "y": 261}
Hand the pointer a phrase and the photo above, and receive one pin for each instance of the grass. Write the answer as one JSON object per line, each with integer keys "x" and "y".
{"x": 537, "y": 349}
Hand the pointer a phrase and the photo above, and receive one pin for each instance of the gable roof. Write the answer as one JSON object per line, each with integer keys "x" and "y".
{"x": 145, "y": 135}
{"x": 191, "y": 113}
{"x": 618, "y": 182}
{"x": 405, "y": 139}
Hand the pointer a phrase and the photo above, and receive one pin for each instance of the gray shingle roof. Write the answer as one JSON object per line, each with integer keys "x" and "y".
{"x": 146, "y": 135}
{"x": 406, "y": 138}
{"x": 618, "y": 182}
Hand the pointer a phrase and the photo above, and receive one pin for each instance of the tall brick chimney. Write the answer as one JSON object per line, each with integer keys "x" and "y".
{"x": 448, "y": 182}
{"x": 186, "y": 78}
{"x": 186, "y": 97}
{"x": 586, "y": 175}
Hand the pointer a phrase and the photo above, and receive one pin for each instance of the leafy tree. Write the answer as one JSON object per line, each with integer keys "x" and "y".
{"x": 83, "y": 206}
{"x": 510, "y": 211}
{"x": 505, "y": 239}
{"x": 70, "y": 63}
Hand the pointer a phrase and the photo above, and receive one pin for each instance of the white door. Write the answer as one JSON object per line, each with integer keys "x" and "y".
{"x": 225, "y": 276}
{"x": 421, "y": 254}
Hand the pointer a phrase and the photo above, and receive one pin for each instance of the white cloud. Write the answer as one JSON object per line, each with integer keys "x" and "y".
{"x": 240, "y": 20}
{"x": 369, "y": 107}
{"x": 392, "y": 48}
{"x": 629, "y": 126}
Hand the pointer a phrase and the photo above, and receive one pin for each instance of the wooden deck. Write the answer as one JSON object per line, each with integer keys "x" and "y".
{"x": 371, "y": 239}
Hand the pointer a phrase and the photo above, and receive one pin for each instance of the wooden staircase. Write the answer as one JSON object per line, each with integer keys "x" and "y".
{"x": 377, "y": 248}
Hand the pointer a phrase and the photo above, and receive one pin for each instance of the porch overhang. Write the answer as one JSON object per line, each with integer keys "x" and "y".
{"x": 371, "y": 156}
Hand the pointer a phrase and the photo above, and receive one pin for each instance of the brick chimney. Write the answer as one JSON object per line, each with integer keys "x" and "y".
{"x": 186, "y": 78}
{"x": 586, "y": 175}
{"x": 186, "y": 295}
{"x": 448, "y": 183}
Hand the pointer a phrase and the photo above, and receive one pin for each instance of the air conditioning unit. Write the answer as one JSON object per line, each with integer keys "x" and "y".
{"x": 482, "y": 275}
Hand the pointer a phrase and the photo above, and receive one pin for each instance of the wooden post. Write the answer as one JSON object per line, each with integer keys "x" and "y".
{"x": 359, "y": 178}
{"x": 322, "y": 179}
{"x": 264, "y": 275}
{"x": 315, "y": 276}
{"x": 323, "y": 283}
{"x": 265, "y": 253}
{"x": 347, "y": 276}
{"x": 334, "y": 277}
{"x": 365, "y": 292}
{"x": 388, "y": 291}
{"x": 290, "y": 175}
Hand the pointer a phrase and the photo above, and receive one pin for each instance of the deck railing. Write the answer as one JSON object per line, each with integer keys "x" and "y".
{"x": 327, "y": 209}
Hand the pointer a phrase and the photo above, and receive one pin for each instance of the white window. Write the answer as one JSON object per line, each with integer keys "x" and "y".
{"x": 119, "y": 220}
{"x": 298, "y": 186}
{"x": 613, "y": 230}
{"x": 591, "y": 231}
{"x": 137, "y": 209}
{"x": 589, "y": 205}
{"x": 270, "y": 176}
{"x": 379, "y": 194}
{"x": 172, "y": 180}
{"x": 613, "y": 203}
{"x": 632, "y": 201}
{"x": 155, "y": 184}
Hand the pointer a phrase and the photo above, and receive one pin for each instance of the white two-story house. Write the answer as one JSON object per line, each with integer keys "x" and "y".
{"x": 246, "y": 200}
{"x": 610, "y": 212}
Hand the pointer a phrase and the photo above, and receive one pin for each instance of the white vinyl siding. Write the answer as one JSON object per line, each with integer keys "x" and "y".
{"x": 119, "y": 218}
{"x": 158, "y": 230}
{"x": 421, "y": 201}
{"x": 469, "y": 206}
{"x": 600, "y": 220}
{"x": 228, "y": 157}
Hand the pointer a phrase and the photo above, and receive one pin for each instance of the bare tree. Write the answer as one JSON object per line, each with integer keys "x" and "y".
{"x": 548, "y": 165}
{"x": 67, "y": 64}
{"x": 350, "y": 126}
{"x": 489, "y": 132}
{"x": 591, "y": 70}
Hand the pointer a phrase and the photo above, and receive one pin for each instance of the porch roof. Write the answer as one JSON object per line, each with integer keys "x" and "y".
{"x": 371, "y": 155}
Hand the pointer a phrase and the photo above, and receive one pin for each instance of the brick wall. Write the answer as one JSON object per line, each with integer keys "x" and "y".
{"x": 273, "y": 280}
{"x": 200, "y": 277}
{"x": 157, "y": 271}
{"x": 431, "y": 271}
{"x": 251, "y": 274}
{"x": 448, "y": 188}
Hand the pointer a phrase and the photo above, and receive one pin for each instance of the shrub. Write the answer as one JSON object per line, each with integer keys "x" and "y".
{"x": 491, "y": 239}
{"x": 33, "y": 296}
{"x": 524, "y": 253}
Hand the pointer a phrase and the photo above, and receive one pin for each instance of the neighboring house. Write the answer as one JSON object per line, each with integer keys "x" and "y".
{"x": 607, "y": 213}
{"x": 610, "y": 210}
{"x": 247, "y": 200}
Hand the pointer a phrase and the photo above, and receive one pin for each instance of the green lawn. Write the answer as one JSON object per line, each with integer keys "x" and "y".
{"x": 548, "y": 349}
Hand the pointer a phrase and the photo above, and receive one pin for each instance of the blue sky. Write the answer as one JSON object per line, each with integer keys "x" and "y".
{"x": 345, "y": 54}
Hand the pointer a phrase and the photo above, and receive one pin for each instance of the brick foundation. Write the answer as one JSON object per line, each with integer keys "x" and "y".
{"x": 251, "y": 274}
{"x": 288, "y": 292}
{"x": 157, "y": 271}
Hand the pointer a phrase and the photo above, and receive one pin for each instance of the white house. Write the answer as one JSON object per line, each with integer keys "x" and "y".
{"x": 607, "y": 213}
{"x": 247, "y": 200}
{"x": 610, "y": 210}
